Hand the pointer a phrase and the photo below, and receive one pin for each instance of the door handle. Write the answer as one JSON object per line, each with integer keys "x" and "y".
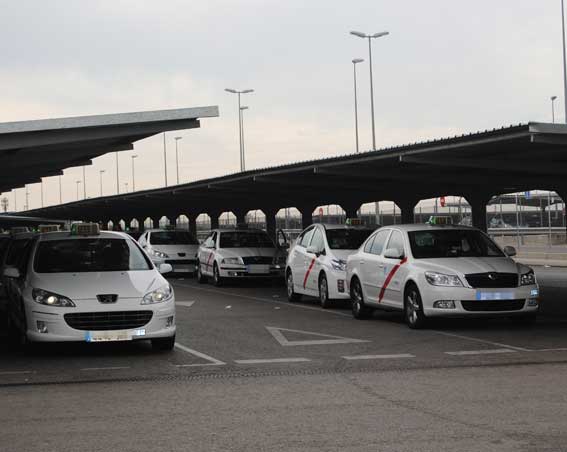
{"x": 381, "y": 266}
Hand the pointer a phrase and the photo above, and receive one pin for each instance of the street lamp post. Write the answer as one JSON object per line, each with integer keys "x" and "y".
{"x": 134, "y": 157}
{"x": 245, "y": 91}
{"x": 27, "y": 198}
{"x": 78, "y": 182}
{"x": 41, "y": 183}
{"x": 553, "y": 108}
{"x": 354, "y": 63}
{"x": 84, "y": 182}
{"x": 60, "y": 191}
{"x": 165, "y": 159}
{"x": 564, "y": 57}
{"x": 126, "y": 187}
{"x": 177, "y": 156}
{"x": 242, "y": 134}
{"x": 101, "y": 172}
{"x": 370, "y": 37}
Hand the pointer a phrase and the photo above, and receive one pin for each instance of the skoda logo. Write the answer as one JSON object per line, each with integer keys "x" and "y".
{"x": 492, "y": 276}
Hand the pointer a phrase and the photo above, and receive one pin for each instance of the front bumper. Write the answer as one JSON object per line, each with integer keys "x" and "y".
{"x": 251, "y": 271}
{"x": 58, "y": 330}
{"x": 470, "y": 302}
{"x": 179, "y": 265}
{"x": 336, "y": 281}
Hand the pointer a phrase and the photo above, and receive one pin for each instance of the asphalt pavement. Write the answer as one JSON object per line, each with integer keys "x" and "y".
{"x": 251, "y": 371}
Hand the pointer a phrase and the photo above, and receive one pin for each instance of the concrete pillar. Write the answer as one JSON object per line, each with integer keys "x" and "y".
{"x": 270, "y": 222}
{"x": 478, "y": 202}
{"x": 306, "y": 215}
{"x": 141, "y": 226}
{"x": 193, "y": 224}
{"x": 351, "y": 209}
{"x": 407, "y": 206}
{"x": 240, "y": 216}
{"x": 214, "y": 219}
{"x": 155, "y": 222}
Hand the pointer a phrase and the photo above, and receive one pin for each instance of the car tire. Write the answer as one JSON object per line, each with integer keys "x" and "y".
{"x": 292, "y": 296}
{"x": 324, "y": 292}
{"x": 201, "y": 279}
{"x": 217, "y": 278}
{"x": 359, "y": 310}
{"x": 164, "y": 344}
{"x": 413, "y": 308}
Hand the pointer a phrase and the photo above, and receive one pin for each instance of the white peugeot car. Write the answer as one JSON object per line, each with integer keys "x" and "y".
{"x": 316, "y": 264}
{"x": 91, "y": 286}
{"x": 176, "y": 247}
{"x": 433, "y": 271}
{"x": 239, "y": 253}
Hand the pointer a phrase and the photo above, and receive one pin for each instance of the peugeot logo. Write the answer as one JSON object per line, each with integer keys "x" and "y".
{"x": 108, "y": 298}
{"x": 492, "y": 276}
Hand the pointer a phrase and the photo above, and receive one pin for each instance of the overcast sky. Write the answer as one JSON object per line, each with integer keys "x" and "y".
{"x": 448, "y": 67}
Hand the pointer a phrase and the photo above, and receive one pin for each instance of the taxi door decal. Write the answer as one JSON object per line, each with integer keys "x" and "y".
{"x": 208, "y": 264}
{"x": 390, "y": 277}
{"x": 309, "y": 271}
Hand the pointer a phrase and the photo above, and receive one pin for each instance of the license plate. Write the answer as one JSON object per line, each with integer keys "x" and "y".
{"x": 488, "y": 296}
{"x": 108, "y": 336}
{"x": 258, "y": 269}
{"x": 182, "y": 268}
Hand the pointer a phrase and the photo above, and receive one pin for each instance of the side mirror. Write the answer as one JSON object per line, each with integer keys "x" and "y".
{"x": 510, "y": 251}
{"x": 284, "y": 246}
{"x": 393, "y": 253}
{"x": 313, "y": 250}
{"x": 165, "y": 268}
{"x": 11, "y": 272}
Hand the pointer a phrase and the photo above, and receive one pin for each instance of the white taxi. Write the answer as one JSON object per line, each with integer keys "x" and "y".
{"x": 239, "y": 253}
{"x": 171, "y": 246}
{"x": 316, "y": 264}
{"x": 87, "y": 285}
{"x": 434, "y": 271}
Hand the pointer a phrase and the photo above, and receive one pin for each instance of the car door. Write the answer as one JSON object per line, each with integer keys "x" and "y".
{"x": 207, "y": 254}
{"x": 395, "y": 272}
{"x": 314, "y": 262}
{"x": 299, "y": 258}
{"x": 372, "y": 266}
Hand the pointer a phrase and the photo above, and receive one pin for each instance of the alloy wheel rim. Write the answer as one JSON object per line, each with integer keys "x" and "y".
{"x": 289, "y": 285}
{"x": 412, "y": 307}
{"x": 323, "y": 290}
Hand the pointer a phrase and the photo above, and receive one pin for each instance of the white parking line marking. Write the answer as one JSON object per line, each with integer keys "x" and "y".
{"x": 474, "y": 339}
{"x": 496, "y": 351}
{"x": 106, "y": 368}
{"x": 267, "y": 300}
{"x": 18, "y": 372}
{"x": 228, "y": 307}
{"x": 550, "y": 350}
{"x": 269, "y": 361}
{"x": 278, "y": 336}
{"x": 398, "y": 356}
{"x": 212, "y": 361}
{"x": 187, "y": 304}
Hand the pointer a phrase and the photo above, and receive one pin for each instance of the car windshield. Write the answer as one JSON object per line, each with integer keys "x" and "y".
{"x": 452, "y": 243}
{"x": 242, "y": 239}
{"x": 347, "y": 239}
{"x": 172, "y": 238}
{"x": 89, "y": 255}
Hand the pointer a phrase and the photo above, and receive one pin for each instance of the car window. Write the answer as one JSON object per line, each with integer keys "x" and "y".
{"x": 369, "y": 243}
{"x": 317, "y": 241}
{"x": 209, "y": 242}
{"x": 89, "y": 255}
{"x": 396, "y": 242}
{"x": 347, "y": 239}
{"x": 379, "y": 240}
{"x": 15, "y": 251}
{"x": 172, "y": 238}
{"x": 305, "y": 238}
{"x": 442, "y": 243}
{"x": 245, "y": 239}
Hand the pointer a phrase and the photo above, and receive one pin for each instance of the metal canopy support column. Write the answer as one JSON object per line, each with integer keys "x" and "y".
{"x": 306, "y": 215}
{"x": 214, "y": 219}
{"x": 407, "y": 206}
{"x": 351, "y": 209}
{"x": 270, "y": 221}
{"x": 193, "y": 223}
{"x": 155, "y": 222}
{"x": 240, "y": 216}
{"x": 478, "y": 203}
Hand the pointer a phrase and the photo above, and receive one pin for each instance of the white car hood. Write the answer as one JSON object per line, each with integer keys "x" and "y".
{"x": 246, "y": 252}
{"x": 174, "y": 250}
{"x": 85, "y": 286}
{"x": 341, "y": 254}
{"x": 467, "y": 265}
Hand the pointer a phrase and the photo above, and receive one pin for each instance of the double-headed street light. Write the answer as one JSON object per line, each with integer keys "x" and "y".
{"x": 134, "y": 157}
{"x": 245, "y": 91}
{"x": 354, "y": 63}
{"x": 177, "y": 157}
{"x": 370, "y": 37}
{"x": 242, "y": 133}
{"x": 553, "y": 108}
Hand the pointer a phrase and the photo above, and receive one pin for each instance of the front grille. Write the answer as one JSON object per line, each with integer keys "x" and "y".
{"x": 257, "y": 260}
{"x": 101, "y": 321}
{"x": 181, "y": 261}
{"x": 493, "y": 305}
{"x": 492, "y": 280}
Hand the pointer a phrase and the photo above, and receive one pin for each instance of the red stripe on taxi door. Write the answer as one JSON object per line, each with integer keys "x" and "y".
{"x": 389, "y": 278}
{"x": 309, "y": 271}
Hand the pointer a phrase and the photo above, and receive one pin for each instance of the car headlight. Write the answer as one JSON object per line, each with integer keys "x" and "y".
{"x": 338, "y": 264}
{"x": 528, "y": 279}
{"x": 440, "y": 279}
{"x": 51, "y": 299}
{"x": 160, "y": 295}
{"x": 233, "y": 261}
{"x": 159, "y": 254}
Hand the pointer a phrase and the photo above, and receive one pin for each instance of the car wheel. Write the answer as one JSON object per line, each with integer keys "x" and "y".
{"x": 291, "y": 295}
{"x": 324, "y": 292}
{"x": 217, "y": 279}
{"x": 201, "y": 279}
{"x": 165, "y": 344}
{"x": 359, "y": 310}
{"x": 413, "y": 309}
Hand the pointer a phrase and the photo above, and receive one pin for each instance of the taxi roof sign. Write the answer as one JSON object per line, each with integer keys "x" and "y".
{"x": 48, "y": 228}
{"x": 85, "y": 229}
{"x": 440, "y": 220}
{"x": 353, "y": 222}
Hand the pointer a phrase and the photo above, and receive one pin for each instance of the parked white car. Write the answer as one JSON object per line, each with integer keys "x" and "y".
{"x": 171, "y": 246}
{"x": 316, "y": 264}
{"x": 439, "y": 271}
{"x": 90, "y": 286}
{"x": 239, "y": 254}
